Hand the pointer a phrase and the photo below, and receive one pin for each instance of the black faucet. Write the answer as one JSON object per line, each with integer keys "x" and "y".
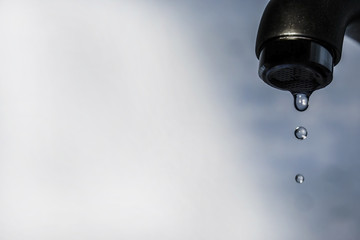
{"x": 300, "y": 41}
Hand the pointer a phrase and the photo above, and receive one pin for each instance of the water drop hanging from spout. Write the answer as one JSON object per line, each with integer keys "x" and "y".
{"x": 301, "y": 101}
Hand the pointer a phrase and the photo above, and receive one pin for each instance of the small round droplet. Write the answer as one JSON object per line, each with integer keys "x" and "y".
{"x": 301, "y": 101}
{"x": 299, "y": 178}
{"x": 300, "y": 133}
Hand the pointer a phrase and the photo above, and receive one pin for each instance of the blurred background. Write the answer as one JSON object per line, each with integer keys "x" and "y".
{"x": 138, "y": 120}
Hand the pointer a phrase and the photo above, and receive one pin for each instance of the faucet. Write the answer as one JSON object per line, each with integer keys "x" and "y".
{"x": 300, "y": 41}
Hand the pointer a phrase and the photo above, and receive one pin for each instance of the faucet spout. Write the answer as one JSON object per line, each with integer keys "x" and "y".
{"x": 299, "y": 42}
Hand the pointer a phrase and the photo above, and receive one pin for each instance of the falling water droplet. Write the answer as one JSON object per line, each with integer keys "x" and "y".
{"x": 301, "y": 101}
{"x": 299, "y": 178}
{"x": 300, "y": 133}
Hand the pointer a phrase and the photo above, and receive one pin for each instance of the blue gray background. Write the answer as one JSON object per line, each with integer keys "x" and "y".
{"x": 147, "y": 120}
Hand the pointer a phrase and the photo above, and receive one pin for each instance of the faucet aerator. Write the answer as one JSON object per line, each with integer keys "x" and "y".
{"x": 299, "y": 66}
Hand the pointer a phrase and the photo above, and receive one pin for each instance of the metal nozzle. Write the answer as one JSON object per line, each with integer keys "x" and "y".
{"x": 299, "y": 42}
